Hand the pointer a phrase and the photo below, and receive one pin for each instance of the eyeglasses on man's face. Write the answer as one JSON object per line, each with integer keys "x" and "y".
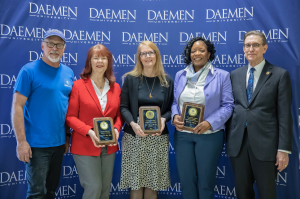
{"x": 150, "y": 53}
{"x": 58, "y": 45}
{"x": 255, "y": 45}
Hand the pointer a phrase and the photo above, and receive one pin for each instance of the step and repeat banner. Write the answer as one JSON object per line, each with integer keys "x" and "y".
{"x": 121, "y": 25}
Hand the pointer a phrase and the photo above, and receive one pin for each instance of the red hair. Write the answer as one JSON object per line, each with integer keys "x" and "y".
{"x": 99, "y": 50}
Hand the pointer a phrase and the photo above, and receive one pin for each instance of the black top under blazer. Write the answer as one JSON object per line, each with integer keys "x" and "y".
{"x": 130, "y": 106}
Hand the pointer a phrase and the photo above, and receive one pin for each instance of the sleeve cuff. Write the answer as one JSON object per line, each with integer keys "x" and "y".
{"x": 285, "y": 151}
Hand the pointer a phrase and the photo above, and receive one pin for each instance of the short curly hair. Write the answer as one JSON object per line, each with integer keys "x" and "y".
{"x": 187, "y": 49}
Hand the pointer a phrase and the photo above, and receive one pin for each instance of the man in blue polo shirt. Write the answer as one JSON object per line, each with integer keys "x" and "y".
{"x": 40, "y": 104}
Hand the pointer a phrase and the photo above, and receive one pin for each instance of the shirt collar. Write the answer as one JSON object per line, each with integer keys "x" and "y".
{"x": 258, "y": 68}
{"x": 106, "y": 86}
{"x": 211, "y": 68}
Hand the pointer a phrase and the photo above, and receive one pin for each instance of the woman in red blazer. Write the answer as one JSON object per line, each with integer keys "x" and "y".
{"x": 95, "y": 95}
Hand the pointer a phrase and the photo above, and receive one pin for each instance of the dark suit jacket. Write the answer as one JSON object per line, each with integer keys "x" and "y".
{"x": 84, "y": 106}
{"x": 268, "y": 115}
{"x": 130, "y": 106}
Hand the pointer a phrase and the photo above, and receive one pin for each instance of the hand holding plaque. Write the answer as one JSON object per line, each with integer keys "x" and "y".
{"x": 150, "y": 121}
{"x": 104, "y": 129}
{"x": 192, "y": 115}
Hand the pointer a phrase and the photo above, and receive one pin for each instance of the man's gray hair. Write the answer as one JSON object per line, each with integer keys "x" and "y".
{"x": 255, "y": 32}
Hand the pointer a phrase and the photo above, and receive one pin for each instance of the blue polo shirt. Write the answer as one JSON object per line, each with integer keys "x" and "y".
{"x": 47, "y": 89}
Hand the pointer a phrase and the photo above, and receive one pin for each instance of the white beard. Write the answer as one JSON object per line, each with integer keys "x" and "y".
{"x": 54, "y": 60}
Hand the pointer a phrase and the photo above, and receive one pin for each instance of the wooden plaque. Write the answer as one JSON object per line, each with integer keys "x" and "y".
{"x": 192, "y": 115}
{"x": 104, "y": 129}
{"x": 150, "y": 121}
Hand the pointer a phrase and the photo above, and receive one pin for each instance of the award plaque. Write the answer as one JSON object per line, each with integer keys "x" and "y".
{"x": 150, "y": 119}
{"x": 104, "y": 129}
{"x": 192, "y": 115}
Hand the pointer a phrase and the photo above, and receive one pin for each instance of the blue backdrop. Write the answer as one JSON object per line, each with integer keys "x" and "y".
{"x": 121, "y": 25}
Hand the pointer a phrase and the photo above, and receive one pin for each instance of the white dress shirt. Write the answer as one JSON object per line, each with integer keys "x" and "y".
{"x": 102, "y": 96}
{"x": 256, "y": 75}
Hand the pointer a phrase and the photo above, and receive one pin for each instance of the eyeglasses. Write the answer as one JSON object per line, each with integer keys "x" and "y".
{"x": 58, "y": 45}
{"x": 255, "y": 45}
{"x": 150, "y": 53}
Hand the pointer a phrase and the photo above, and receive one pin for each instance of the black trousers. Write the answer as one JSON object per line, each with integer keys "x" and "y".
{"x": 247, "y": 169}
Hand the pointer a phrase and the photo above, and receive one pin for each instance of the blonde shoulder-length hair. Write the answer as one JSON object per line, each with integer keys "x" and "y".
{"x": 158, "y": 67}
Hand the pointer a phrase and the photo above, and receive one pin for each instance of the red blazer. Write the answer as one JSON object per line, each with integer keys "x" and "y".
{"x": 84, "y": 105}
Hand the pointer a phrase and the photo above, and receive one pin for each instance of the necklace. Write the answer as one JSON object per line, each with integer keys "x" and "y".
{"x": 151, "y": 88}
{"x": 98, "y": 85}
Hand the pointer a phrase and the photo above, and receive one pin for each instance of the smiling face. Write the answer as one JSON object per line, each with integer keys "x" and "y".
{"x": 52, "y": 54}
{"x": 147, "y": 61}
{"x": 99, "y": 64}
{"x": 254, "y": 55}
{"x": 199, "y": 55}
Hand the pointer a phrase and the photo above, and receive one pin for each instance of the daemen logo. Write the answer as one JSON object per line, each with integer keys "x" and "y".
{"x": 70, "y": 172}
{"x": 124, "y": 60}
{"x": 135, "y": 38}
{"x": 273, "y": 35}
{"x": 13, "y": 178}
{"x": 228, "y": 15}
{"x": 111, "y": 15}
{"x": 50, "y": 11}
{"x": 220, "y": 173}
{"x": 281, "y": 179}
{"x": 22, "y": 33}
{"x": 115, "y": 189}
{"x": 222, "y": 191}
{"x": 174, "y": 189}
{"x": 169, "y": 16}
{"x": 6, "y": 131}
{"x": 87, "y": 37}
{"x": 214, "y": 37}
{"x": 172, "y": 61}
{"x": 37, "y": 34}
{"x": 66, "y": 191}
{"x": 67, "y": 58}
{"x": 227, "y": 60}
{"x": 7, "y": 81}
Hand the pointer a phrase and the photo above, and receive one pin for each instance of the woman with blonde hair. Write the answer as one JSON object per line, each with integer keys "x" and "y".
{"x": 145, "y": 158}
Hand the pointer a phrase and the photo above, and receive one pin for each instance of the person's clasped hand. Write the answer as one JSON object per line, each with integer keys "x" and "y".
{"x": 137, "y": 129}
{"x": 94, "y": 138}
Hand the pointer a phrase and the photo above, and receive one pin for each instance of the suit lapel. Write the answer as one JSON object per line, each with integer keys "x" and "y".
{"x": 243, "y": 77}
{"x": 135, "y": 97}
{"x": 262, "y": 79}
{"x": 166, "y": 98}
{"x": 91, "y": 90}
{"x": 210, "y": 77}
{"x": 182, "y": 80}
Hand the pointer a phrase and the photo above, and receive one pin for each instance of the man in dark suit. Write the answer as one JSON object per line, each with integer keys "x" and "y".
{"x": 259, "y": 137}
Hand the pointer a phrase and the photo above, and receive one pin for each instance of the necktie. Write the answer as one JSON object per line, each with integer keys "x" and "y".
{"x": 249, "y": 89}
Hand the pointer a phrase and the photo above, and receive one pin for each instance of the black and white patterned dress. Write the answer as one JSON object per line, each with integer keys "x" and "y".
{"x": 145, "y": 160}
